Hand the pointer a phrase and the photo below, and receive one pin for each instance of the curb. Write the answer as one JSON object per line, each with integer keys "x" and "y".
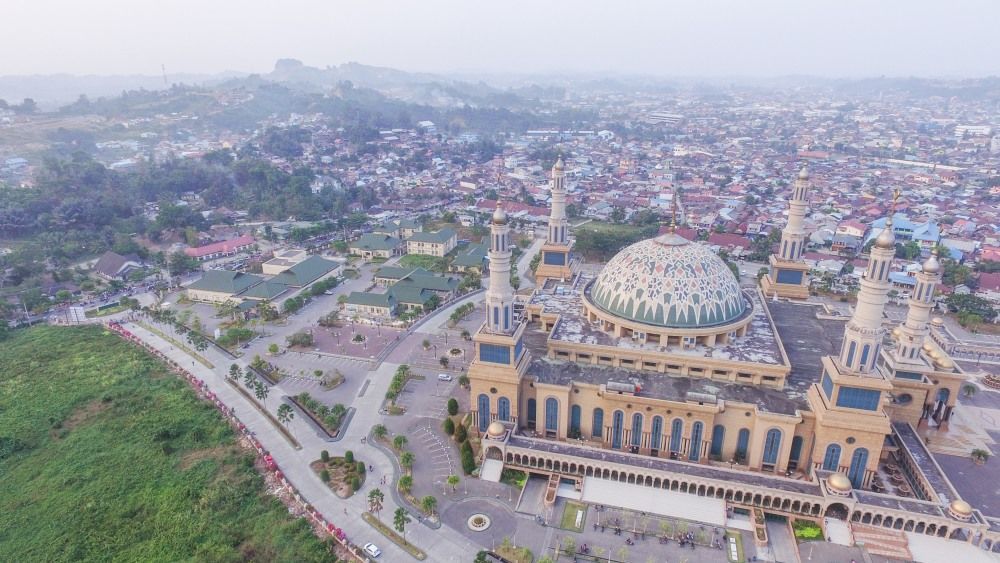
{"x": 400, "y": 501}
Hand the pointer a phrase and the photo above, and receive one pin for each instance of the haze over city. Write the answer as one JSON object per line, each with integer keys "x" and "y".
{"x": 850, "y": 38}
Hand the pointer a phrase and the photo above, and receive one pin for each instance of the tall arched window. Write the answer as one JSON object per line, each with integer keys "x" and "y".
{"x": 695, "y": 453}
{"x": 617, "y": 422}
{"x": 718, "y": 437}
{"x": 484, "y": 412}
{"x": 851, "y": 350}
{"x": 551, "y": 415}
{"x": 793, "y": 456}
{"x": 532, "y": 413}
{"x": 676, "y": 430}
{"x": 597, "y": 427}
{"x": 865, "y": 351}
{"x": 859, "y": 460}
{"x": 742, "y": 444}
{"x": 772, "y": 444}
{"x": 636, "y": 430}
{"x": 503, "y": 409}
{"x": 831, "y": 459}
{"x": 574, "y": 420}
{"x": 656, "y": 434}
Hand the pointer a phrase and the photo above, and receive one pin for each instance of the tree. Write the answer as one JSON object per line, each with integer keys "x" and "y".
{"x": 261, "y": 391}
{"x": 325, "y": 476}
{"x": 300, "y": 339}
{"x": 234, "y": 372}
{"x": 399, "y": 521}
{"x": 453, "y": 480}
{"x": 969, "y": 391}
{"x": 285, "y": 414}
{"x": 569, "y": 546}
{"x": 443, "y": 361}
{"x": 406, "y": 460}
{"x": 379, "y": 431}
{"x": 463, "y": 381}
{"x": 461, "y": 434}
{"x": 180, "y": 263}
{"x": 428, "y": 503}
{"x": 325, "y": 456}
{"x": 272, "y": 348}
{"x": 399, "y": 442}
{"x": 468, "y": 458}
{"x": 452, "y": 406}
{"x": 426, "y": 344}
{"x": 449, "y": 426}
{"x": 375, "y": 500}
{"x": 405, "y": 483}
{"x": 349, "y": 456}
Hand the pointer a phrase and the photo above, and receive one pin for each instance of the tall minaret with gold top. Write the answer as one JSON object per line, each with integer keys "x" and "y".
{"x": 555, "y": 261}
{"x": 789, "y": 275}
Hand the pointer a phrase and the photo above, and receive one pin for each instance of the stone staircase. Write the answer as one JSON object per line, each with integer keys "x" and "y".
{"x": 551, "y": 489}
{"x": 883, "y": 542}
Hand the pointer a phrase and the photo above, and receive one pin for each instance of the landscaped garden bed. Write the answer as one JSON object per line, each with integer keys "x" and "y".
{"x": 397, "y": 539}
{"x": 807, "y": 530}
{"x": 344, "y": 475}
{"x": 328, "y": 418}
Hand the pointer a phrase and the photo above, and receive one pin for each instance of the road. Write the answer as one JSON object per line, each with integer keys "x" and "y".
{"x": 525, "y": 261}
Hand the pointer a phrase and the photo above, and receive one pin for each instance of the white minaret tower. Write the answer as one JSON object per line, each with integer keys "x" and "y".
{"x": 911, "y": 334}
{"x": 500, "y": 294}
{"x": 863, "y": 333}
{"x": 557, "y": 217}
{"x": 793, "y": 236}
{"x": 788, "y": 275}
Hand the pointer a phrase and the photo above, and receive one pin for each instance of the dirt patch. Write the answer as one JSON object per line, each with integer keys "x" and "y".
{"x": 85, "y": 413}
{"x": 191, "y": 458}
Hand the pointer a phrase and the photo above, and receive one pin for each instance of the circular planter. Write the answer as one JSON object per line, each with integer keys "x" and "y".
{"x": 478, "y": 522}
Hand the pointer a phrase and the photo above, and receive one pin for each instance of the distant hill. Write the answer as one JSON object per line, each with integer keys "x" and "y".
{"x": 53, "y": 90}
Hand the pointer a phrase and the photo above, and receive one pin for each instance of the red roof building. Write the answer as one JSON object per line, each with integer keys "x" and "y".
{"x": 220, "y": 249}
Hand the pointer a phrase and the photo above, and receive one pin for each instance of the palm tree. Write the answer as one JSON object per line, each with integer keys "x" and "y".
{"x": 375, "y": 499}
{"x": 261, "y": 391}
{"x": 379, "y": 431}
{"x": 248, "y": 378}
{"x": 406, "y": 460}
{"x": 399, "y": 441}
{"x": 399, "y": 521}
{"x": 980, "y": 456}
{"x": 429, "y": 503}
{"x": 969, "y": 391}
{"x": 234, "y": 372}
{"x": 285, "y": 414}
{"x": 406, "y": 483}
{"x": 443, "y": 361}
{"x": 453, "y": 480}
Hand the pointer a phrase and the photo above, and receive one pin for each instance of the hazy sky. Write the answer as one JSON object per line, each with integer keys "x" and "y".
{"x": 664, "y": 37}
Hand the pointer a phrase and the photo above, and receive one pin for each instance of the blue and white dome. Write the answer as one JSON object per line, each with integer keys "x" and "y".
{"x": 669, "y": 282}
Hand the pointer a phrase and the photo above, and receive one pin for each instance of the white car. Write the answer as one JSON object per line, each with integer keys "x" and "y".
{"x": 444, "y": 377}
{"x": 372, "y": 549}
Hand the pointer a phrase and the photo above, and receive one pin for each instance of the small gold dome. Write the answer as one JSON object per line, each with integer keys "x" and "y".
{"x": 959, "y": 506}
{"x": 495, "y": 429}
{"x": 559, "y": 164}
{"x": 897, "y": 331}
{"x": 499, "y": 216}
{"x": 927, "y": 347}
{"x": 944, "y": 363}
{"x": 937, "y": 321}
{"x": 931, "y": 265}
{"x": 886, "y": 240}
{"x": 838, "y": 482}
{"x": 804, "y": 173}
{"x": 935, "y": 354}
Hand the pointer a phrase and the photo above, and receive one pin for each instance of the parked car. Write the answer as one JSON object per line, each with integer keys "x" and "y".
{"x": 444, "y": 377}
{"x": 372, "y": 549}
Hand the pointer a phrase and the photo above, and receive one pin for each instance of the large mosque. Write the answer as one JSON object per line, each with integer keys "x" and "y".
{"x": 662, "y": 371}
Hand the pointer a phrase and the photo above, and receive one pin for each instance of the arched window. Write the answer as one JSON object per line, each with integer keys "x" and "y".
{"x": 503, "y": 409}
{"x": 772, "y": 444}
{"x": 695, "y": 452}
{"x": 718, "y": 437}
{"x": 851, "y": 350}
{"x": 484, "y": 412}
{"x": 859, "y": 460}
{"x": 656, "y": 434}
{"x": 742, "y": 444}
{"x": 597, "y": 427}
{"x": 943, "y": 394}
{"x": 617, "y": 422}
{"x": 865, "y": 350}
{"x": 831, "y": 459}
{"x": 636, "y": 430}
{"x": 676, "y": 430}
{"x": 551, "y": 415}
{"x": 532, "y": 413}
{"x": 574, "y": 420}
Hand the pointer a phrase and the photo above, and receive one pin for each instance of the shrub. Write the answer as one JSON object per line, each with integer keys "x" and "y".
{"x": 325, "y": 456}
{"x": 361, "y": 467}
{"x": 356, "y": 483}
{"x": 325, "y": 476}
{"x": 349, "y": 456}
{"x": 468, "y": 460}
{"x": 461, "y": 434}
{"x": 452, "y": 406}
{"x": 449, "y": 426}
{"x": 300, "y": 339}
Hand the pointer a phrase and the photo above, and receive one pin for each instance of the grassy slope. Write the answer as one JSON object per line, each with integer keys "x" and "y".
{"x": 105, "y": 456}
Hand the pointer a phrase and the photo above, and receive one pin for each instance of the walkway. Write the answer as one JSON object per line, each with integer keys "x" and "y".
{"x": 641, "y": 498}
{"x": 441, "y": 545}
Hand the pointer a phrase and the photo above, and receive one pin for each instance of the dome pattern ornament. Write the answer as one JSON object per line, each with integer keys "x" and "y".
{"x": 669, "y": 282}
